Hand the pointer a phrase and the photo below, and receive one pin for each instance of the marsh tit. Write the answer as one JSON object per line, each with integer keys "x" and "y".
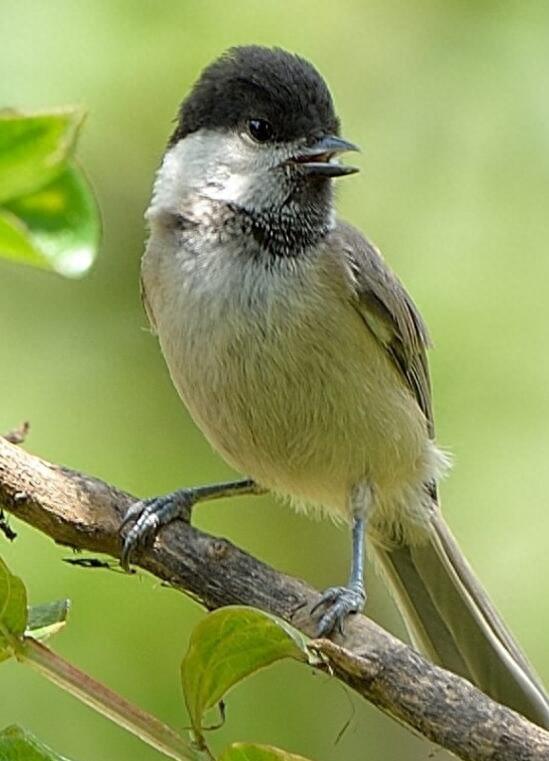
{"x": 302, "y": 358}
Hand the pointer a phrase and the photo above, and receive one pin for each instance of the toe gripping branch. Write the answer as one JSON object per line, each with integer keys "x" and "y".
{"x": 150, "y": 515}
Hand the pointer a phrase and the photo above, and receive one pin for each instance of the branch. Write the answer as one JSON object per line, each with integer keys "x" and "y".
{"x": 85, "y": 513}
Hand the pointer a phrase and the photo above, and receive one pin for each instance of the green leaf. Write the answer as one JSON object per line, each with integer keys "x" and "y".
{"x": 57, "y": 228}
{"x": 18, "y": 745}
{"x": 250, "y": 752}
{"x": 13, "y": 611}
{"x": 228, "y": 645}
{"x": 33, "y": 149}
{"x": 47, "y": 619}
{"x": 16, "y": 244}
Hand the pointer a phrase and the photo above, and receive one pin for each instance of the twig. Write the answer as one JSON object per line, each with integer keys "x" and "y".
{"x": 19, "y": 434}
{"x": 102, "y": 699}
{"x": 83, "y": 512}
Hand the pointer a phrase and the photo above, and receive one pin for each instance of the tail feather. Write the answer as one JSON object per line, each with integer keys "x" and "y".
{"x": 451, "y": 619}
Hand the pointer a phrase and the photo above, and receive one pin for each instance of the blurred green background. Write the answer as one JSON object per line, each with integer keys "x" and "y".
{"x": 449, "y": 102}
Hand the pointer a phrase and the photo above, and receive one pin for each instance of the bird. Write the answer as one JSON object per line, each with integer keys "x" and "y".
{"x": 303, "y": 360}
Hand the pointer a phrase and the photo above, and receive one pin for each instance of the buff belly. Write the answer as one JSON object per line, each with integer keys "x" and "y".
{"x": 289, "y": 385}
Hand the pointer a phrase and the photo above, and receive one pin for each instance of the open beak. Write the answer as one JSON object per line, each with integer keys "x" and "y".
{"x": 317, "y": 159}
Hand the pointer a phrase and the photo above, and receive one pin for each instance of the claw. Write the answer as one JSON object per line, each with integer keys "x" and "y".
{"x": 328, "y": 597}
{"x": 339, "y": 602}
{"x": 149, "y": 516}
{"x": 132, "y": 513}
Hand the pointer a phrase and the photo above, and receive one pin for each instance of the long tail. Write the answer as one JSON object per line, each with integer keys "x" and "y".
{"x": 451, "y": 619}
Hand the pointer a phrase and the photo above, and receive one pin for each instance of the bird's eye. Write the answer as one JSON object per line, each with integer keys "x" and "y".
{"x": 260, "y": 129}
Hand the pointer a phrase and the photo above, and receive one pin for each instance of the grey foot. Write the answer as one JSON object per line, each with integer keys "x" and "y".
{"x": 148, "y": 517}
{"x": 338, "y": 603}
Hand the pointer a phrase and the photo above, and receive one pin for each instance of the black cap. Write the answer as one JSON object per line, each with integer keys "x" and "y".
{"x": 254, "y": 82}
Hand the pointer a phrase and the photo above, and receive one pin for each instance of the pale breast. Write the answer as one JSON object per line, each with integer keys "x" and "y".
{"x": 282, "y": 375}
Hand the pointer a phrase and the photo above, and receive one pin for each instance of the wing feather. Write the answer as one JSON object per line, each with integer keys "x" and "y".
{"x": 391, "y": 315}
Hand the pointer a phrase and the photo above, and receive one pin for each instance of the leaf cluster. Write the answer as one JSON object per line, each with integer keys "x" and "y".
{"x": 225, "y": 648}
{"x": 48, "y": 214}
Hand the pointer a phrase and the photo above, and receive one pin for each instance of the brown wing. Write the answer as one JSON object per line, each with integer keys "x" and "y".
{"x": 390, "y": 314}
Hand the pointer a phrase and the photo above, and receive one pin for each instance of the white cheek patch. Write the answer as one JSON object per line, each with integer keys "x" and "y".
{"x": 170, "y": 185}
{"x": 202, "y": 164}
{"x": 215, "y": 166}
{"x": 228, "y": 187}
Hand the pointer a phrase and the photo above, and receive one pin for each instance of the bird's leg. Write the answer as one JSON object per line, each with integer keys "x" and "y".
{"x": 338, "y": 602}
{"x": 149, "y": 515}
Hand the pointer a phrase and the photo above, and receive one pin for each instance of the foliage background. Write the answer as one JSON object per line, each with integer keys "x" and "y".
{"x": 449, "y": 103}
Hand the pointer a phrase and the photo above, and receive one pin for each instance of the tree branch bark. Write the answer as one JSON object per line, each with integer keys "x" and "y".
{"x": 83, "y": 512}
